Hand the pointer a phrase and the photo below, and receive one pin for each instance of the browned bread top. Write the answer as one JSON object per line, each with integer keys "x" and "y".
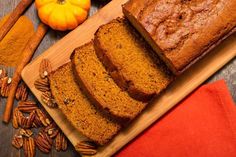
{"x": 130, "y": 60}
{"x": 100, "y": 87}
{"x": 182, "y": 30}
{"x": 78, "y": 109}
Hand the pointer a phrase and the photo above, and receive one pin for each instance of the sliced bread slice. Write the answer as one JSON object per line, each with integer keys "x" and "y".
{"x": 100, "y": 87}
{"x": 78, "y": 109}
{"x": 129, "y": 59}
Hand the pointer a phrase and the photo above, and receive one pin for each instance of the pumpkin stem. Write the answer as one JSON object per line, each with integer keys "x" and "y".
{"x": 61, "y": 1}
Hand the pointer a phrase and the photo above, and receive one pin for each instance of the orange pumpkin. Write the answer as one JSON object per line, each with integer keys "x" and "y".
{"x": 63, "y": 14}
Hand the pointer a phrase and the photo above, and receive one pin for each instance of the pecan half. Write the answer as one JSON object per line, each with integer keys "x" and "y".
{"x": 26, "y": 132}
{"x": 87, "y": 145}
{"x": 42, "y": 84}
{"x": 52, "y": 130}
{"x": 4, "y": 81}
{"x": 48, "y": 99}
{"x": 64, "y": 143}
{"x": 3, "y": 73}
{"x": 17, "y": 118}
{"x": 18, "y": 93}
{"x": 17, "y": 141}
{"x": 43, "y": 117}
{"x": 6, "y": 91}
{"x": 60, "y": 142}
{"x": 31, "y": 119}
{"x": 15, "y": 123}
{"x": 86, "y": 148}
{"x": 27, "y": 106}
{"x": 37, "y": 122}
{"x": 5, "y": 87}
{"x": 29, "y": 147}
{"x": 22, "y": 92}
{"x": 44, "y": 142}
{"x": 45, "y": 68}
{"x": 86, "y": 151}
{"x": 27, "y": 122}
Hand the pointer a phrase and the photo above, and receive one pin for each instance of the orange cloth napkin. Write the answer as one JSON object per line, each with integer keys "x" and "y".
{"x": 203, "y": 125}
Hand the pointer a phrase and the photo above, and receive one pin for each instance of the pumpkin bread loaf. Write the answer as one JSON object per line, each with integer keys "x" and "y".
{"x": 78, "y": 109}
{"x": 129, "y": 59}
{"x": 100, "y": 87}
{"x": 182, "y": 31}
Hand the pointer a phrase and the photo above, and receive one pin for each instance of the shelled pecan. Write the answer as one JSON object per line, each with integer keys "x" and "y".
{"x": 3, "y": 73}
{"x": 52, "y": 130}
{"x": 15, "y": 123}
{"x": 27, "y": 106}
{"x": 43, "y": 142}
{"x": 22, "y": 92}
{"x": 27, "y": 122}
{"x": 29, "y": 147}
{"x": 86, "y": 151}
{"x": 5, "y": 91}
{"x": 37, "y": 122}
{"x": 43, "y": 117}
{"x": 48, "y": 99}
{"x": 17, "y": 141}
{"x": 4, "y": 81}
{"x": 42, "y": 84}
{"x": 18, "y": 93}
{"x": 5, "y": 86}
{"x": 26, "y": 132}
{"x": 60, "y": 142}
{"x": 45, "y": 68}
{"x": 86, "y": 148}
{"x": 17, "y": 118}
{"x": 87, "y": 145}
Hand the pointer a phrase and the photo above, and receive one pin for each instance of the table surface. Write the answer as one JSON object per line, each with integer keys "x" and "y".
{"x": 228, "y": 73}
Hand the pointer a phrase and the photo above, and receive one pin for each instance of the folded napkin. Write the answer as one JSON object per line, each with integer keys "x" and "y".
{"x": 202, "y": 125}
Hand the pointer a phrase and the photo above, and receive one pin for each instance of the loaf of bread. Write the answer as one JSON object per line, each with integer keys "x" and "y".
{"x": 78, "y": 109}
{"x": 182, "y": 31}
{"x": 130, "y": 61}
{"x": 100, "y": 87}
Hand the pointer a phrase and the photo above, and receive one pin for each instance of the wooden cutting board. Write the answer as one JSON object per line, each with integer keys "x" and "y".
{"x": 59, "y": 54}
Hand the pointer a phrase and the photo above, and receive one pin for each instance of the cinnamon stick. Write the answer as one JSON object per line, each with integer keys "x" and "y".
{"x": 27, "y": 55}
{"x": 13, "y": 17}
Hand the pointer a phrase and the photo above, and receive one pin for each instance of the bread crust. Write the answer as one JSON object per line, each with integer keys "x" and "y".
{"x": 216, "y": 27}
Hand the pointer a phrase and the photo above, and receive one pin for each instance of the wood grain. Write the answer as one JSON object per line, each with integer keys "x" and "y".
{"x": 185, "y": 84}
